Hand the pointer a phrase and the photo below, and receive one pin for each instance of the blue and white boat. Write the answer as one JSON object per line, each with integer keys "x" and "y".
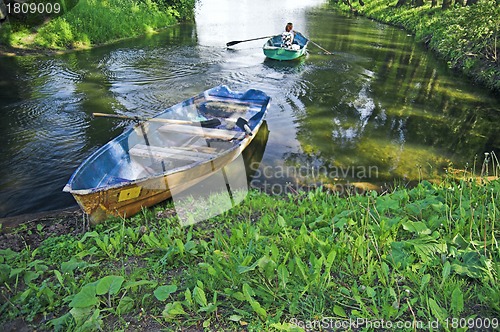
{"x": 172, "y": 151}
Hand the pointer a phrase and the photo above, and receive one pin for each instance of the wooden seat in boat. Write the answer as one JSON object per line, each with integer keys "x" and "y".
{"x": 223, "y": 134}
{"x": 158, "y": 152}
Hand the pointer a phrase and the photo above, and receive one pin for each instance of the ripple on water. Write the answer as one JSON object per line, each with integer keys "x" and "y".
{"x": 45, "y": 120}
{"x": 146, "y": 82}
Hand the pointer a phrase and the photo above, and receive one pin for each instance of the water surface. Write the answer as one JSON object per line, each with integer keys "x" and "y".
{"x": 381, "y": 108}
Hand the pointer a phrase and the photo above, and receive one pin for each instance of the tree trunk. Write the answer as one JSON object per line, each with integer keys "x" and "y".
{"x": 459, "y": 2}
{"x": 471, "y": 2}
{"x": 401, "y": 3}
{"x": 419, "y": 3}
{"x": 446, "y": 4}
{"x": 347, "y": 2}
{"x": 434, "y": 3}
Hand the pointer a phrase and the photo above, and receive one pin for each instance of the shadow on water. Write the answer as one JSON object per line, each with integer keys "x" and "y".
{"x": 293, "y": 66}
{"x": 253, "y": 154}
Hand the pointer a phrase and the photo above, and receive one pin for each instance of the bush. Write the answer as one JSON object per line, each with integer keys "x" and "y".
{"x": 183, "y": 9}
{"x": 465, "y": 36}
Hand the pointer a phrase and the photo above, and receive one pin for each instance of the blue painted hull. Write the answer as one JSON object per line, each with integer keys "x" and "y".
{"x": 140, "y": 167}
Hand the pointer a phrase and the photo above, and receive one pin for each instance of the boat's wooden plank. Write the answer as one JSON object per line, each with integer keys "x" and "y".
{"x": 205, "y": 132}
{"x": 159, "y": 155}
{"x": 141, "y": 150}
{"x": 179, "y": 150}
{"x": 206, "y": 149}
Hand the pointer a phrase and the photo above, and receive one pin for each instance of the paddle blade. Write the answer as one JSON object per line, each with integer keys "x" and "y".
{"x": 211, "y": 123}
{"x": 234, "y": 42}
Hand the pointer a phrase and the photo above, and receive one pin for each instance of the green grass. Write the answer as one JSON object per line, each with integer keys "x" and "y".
{"x": 467, "y": 37}
{"x": 95, "y": 22}
{"x": 423, "y": 255}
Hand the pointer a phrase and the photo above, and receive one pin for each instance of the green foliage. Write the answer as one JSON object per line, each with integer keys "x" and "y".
{"x": 181, "y": 9}
{"x": 423, "y": 254}
{"x": 35, "y": 13}
{"x": 6, "y": 34}
{"x": 162, "y": 292}
{"x": 94, "y": 22}
{"x": 467, "y": 37}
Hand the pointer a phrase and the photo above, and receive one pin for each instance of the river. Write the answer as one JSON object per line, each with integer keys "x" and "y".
{"x": 380, "y": 109}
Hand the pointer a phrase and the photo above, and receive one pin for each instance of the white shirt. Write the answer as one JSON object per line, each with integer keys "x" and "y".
{"x": 287, "y": 38}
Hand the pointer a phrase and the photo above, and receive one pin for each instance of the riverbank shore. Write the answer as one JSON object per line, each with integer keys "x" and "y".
{"x": 9, "y": 51}
{"x": 19, "y": 231}
{"x": 466, "y": 37}
{"x": 418, "y": 256}
{"x": 92, "y": 24}
{"x": 25, "y": 50}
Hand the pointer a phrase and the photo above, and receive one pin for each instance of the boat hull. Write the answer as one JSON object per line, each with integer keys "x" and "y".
{"x": 130, "y": 199}
{"x": 273, "y": 50}
{"x": 127, "y": 198}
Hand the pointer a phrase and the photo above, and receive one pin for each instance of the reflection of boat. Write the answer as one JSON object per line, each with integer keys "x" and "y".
{"x": 289, "y": 67}
{"x": 272, "y": 48}
{"x": 252, "y": 156}
{"x": 171, "y": 151}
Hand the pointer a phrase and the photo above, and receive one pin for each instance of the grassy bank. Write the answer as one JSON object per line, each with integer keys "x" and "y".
{"x": 427, "y": 255}
{"x": 467, "y": 37}
{"x": 95, "y": 22}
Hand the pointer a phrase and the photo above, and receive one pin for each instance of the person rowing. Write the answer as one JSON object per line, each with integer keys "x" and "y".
{"x": 288, "y": 36}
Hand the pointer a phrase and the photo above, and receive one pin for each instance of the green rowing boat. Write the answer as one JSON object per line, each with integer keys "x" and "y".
{"x": 273, "y": 49}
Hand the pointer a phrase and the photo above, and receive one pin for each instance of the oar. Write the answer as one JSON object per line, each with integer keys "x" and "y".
{"x": 234, "y": 42}
{"x": 206, "y": 123}
{"x": 243, "y": 124}
{"x": 318, "y": 46}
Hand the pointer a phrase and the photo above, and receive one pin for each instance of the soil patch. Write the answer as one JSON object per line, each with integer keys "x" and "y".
{"x": 30, "y": 230}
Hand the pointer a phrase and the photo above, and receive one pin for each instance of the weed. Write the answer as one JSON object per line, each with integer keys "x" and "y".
{"x": 424, "y": 254}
